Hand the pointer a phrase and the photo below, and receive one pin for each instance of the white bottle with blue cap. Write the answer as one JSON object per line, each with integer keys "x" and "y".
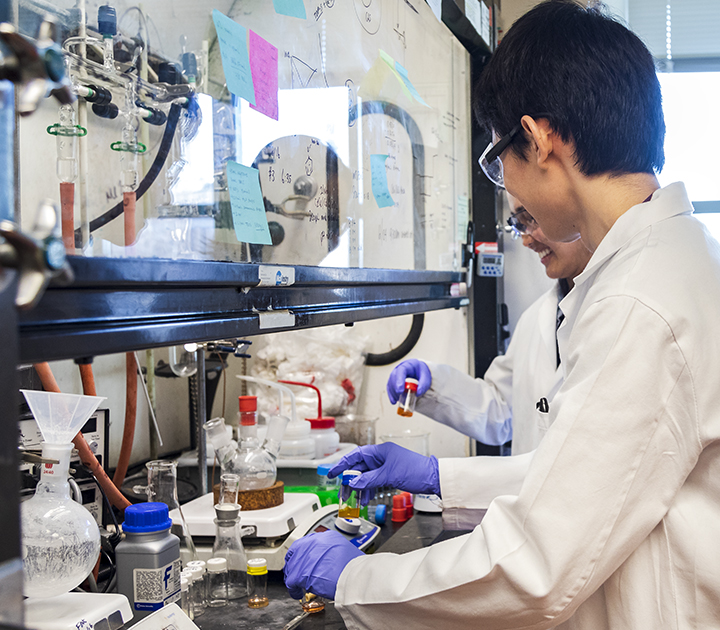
{"x": 148, "y": 559}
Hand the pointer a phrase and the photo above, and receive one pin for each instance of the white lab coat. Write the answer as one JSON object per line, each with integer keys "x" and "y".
{"x": 501, "y": 405}
{"x": 616, "y": 526}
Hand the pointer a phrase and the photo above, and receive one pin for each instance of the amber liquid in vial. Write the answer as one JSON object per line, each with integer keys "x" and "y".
{"x": 406, "y": 413}
{"x": 349, "y": 512}
{"x": 257, "y": 601}
{"x": 312, "y": 604}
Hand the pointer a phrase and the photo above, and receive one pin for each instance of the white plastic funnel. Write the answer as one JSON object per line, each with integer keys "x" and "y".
{"x": 60, "y": 416}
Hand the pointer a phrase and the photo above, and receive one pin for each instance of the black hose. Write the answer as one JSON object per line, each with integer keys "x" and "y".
{"x": 148, "y": 180}
{"x": 386, "y": 358}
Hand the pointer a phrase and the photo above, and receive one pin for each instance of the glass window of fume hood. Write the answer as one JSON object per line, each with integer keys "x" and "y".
{"x": 339, "y": 103}
{"x": 691, "y": 141}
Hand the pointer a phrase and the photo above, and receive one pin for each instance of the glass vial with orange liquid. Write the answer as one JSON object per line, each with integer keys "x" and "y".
{"x": 349, "y": 497}
{"x": 406, "y": 402}
{"x": 257, "y": 583}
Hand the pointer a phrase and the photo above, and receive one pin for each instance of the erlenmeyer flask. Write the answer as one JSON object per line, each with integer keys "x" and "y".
{"x": 162, "y": 487}
{"x": 228, "y": 545}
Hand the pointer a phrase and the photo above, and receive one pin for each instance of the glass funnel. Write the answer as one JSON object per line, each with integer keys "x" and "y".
{"x": 60, "y": 538}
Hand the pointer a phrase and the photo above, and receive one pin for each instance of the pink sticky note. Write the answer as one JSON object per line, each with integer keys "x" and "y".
{"x": 264, "y": 68}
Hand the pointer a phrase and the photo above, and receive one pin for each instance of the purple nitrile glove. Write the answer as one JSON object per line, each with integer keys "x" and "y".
{"x": 390, "y": 465}
{"x": 314, "y": 563}
{"x": 411, "y": 368}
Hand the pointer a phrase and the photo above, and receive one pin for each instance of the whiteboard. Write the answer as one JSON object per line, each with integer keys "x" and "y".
{"x": 340, "y": 102}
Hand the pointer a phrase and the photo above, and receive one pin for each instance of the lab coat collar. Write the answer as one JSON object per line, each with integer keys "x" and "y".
{"x": 667, "y": 202}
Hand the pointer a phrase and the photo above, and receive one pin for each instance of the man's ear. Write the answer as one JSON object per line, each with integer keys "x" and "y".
{"x": 541, "y": 138}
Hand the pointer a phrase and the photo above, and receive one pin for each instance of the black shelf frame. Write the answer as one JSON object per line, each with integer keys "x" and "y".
{"x": 119, "y": 305}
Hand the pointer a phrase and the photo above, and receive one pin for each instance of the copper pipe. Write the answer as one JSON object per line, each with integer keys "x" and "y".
{"x": 130, "y": 417}
{"x": 129, "y": 199}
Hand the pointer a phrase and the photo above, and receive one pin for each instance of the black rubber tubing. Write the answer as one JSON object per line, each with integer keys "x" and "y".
{"x": 386, "y": 358}
{"x": 150, "y": 176}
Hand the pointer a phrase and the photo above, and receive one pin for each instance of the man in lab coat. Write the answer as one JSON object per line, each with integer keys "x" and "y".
{"x": 617, "y": 522}
{"x": 502, "y": 405}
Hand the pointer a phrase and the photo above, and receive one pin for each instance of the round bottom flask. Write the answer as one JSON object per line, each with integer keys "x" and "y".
{"x": 60, "y": 538}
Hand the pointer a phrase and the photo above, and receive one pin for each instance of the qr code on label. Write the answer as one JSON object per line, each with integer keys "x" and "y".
{"x": 149, "y": 585}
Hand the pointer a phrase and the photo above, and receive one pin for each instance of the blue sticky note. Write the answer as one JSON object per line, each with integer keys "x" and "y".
{"x": 406, "y": 80}
{"x": 379, "y": 180}
{"x": 235, "y": 59}
{"x": 248, "y": 209}
{"x": 293, "y": 8}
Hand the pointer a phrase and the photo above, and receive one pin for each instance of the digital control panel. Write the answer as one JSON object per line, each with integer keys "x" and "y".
{"x": 490, "y": 265}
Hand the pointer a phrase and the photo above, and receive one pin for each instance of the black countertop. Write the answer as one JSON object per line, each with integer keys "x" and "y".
{"x": 420, "y": 531}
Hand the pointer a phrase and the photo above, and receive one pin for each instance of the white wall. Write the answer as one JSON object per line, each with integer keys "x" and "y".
{"x": 171, "y": 404}
{"x": 443, "y": 340}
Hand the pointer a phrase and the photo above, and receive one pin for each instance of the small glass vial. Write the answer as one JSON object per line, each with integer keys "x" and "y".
{"x": 349, "y": 498}
{"x": 257, "y": 583}
{"x": 197, "y": 590}
{"x": 217, "y": 587}
{"x": 312, "y": 603}
{"x": 406, "y": 402}
{"x": 200, "y": 563}
{"x": 185, "y": 597}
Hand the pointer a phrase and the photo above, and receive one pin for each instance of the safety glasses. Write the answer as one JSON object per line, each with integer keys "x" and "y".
{"x": 490, "y": 161}
{"x": 522, "y": 222}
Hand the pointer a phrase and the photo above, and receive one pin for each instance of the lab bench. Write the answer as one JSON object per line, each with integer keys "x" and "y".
{"x": 420, "y": 531}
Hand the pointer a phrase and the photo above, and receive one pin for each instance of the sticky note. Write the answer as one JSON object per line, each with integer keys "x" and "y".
{"x": 246, "y": 202}
{"x": 402, "y": 75}
{"x": 293, "y": 8}
{"x": 234, "y": 53}
{"x": 379, "y": 180}
{"x": 264, "y": 68}
{"x": 463, "y": 216}
{"x": 391, "y": 64}
{"x": 406, "y": 80}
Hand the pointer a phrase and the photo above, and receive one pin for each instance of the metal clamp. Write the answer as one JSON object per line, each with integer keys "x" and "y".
{"x": 36, "y": 66}
{"x": 236, "y": 347}
{"x": 39, "y": 257}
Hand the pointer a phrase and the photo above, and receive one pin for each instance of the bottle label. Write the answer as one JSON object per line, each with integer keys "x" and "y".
{"x": 155, "y": 588}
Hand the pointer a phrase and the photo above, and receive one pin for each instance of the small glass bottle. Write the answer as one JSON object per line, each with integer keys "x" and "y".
{"x": 406, "y": 402}
{"x": 217, "y": 587}
{"x": 349, "y": 498}
{"x": 197, "y": 590}
{"x": 312, "y": 603}
{"x": 185, "y": 597}
{"x": 257, "y": 583}
{"x": 200, "y": 563}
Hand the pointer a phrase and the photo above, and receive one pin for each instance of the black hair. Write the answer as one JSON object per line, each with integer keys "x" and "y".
{"x": 591, "y": 77}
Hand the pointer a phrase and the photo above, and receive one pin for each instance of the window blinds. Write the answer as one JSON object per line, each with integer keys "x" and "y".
{"x": 677, "y": 29}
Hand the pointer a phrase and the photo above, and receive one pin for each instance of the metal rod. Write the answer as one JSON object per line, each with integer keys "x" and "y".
{"x": 201, "y": 420}
{"x": 151, "y": 410}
